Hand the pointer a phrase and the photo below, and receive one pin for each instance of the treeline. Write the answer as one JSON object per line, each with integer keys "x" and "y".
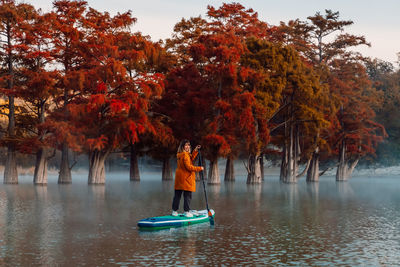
{"x": 76, "y": 79}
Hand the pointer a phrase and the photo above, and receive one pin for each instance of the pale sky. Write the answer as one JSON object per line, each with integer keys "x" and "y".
{"x": 378, "y": 21}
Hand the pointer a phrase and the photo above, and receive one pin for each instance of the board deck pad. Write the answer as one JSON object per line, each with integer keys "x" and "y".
{"x": 169, "y": 221}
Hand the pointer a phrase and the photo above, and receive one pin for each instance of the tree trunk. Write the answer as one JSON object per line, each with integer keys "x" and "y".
{"x": 40, "y": 175}
{"x": 313, "y": 170}
{"x": 262, "y": 166}
{"x": 284, "y": 163}
{"x": 166, "y": 170}
{"x": 10, "y": 169}
{"x": 134, "y": 174}
{"x": 97, "y": 174}
{"x": 110, "y": 163}
{"x": 64, "y": 176}
{"x": 290, "y": 159}
{"x": 229, "y": 170}
{"x": 341, "y": 173}
{"x": 213, "y": 175}
{"x": 254, "y": 170}
{"x": 344, "y": 172}
{"x": 205, "y": 173}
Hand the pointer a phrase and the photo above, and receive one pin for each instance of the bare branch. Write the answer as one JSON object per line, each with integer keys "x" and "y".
{"x": 247, "y": 168}
{"x": 276, "y": 112}
{"x": 278, "y": 126}
{"x": 354, "y": 164}
{"x": 305, "y": 169}
{"x": 328, "y": 169}
{"x": 73, "y": 164}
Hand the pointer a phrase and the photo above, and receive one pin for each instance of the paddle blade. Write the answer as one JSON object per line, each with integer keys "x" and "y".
{"x": 211, "y": 218}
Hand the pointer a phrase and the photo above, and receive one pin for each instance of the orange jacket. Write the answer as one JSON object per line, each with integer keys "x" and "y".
{"x": 185, "y": 178}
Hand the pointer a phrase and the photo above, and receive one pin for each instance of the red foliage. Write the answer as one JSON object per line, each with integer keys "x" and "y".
{"x": 355, "y": 120}
{"x": 111, "y": 110}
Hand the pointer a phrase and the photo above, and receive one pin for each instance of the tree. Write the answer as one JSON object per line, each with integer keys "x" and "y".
{"x": 313, "y": 39}
{"x": 13, "y": 18}
{"x": 67, "y": 36}
{"x": 387, "y": 81}
{"x": 265, "y": 63}
{"x": 140, "y": 55}
{"x": 112, "y": 107}
{"x": 37, "y": 89}
{"x": 357, "y": 133}
{"x": 217, "y": 54}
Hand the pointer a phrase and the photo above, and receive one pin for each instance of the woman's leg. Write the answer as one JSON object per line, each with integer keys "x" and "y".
{"x": 176, "y": 200}
{"x": 187, "y": 197}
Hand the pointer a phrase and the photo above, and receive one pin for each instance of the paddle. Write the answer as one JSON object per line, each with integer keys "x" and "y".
{"x": 210, "y": 217}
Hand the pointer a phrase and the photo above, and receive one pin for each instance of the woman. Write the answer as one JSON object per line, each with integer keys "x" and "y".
{"x": 185, "y": 180}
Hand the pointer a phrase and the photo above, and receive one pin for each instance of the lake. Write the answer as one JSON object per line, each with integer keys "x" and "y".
{"x": 354, "y": 223}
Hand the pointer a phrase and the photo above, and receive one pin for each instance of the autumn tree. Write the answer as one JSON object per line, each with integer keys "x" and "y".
{"x": 321, "y": 40}
{"x": 67, "y": 39}
{"x": 287, "y": 92}
{"x": 386, "y": 80}
{"x": 112, "y": 108}
{"x": 357, "y": 134}
{"x": 140, "y": 55}
{"x": 37, "y": 89}
{"x": 262, "y": 80}
{"x": 215, "y": 47}
{"x": 13, "y": 18}
{"x": 185, "y": 105}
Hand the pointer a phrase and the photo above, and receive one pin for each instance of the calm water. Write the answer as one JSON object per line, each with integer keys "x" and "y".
{"x": 354, "y": 223}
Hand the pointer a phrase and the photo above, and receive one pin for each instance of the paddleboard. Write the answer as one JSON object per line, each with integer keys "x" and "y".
{"x": 169, "y": 221}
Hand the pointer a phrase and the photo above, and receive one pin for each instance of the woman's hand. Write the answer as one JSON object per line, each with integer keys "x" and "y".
{"x": 197, "y": 147}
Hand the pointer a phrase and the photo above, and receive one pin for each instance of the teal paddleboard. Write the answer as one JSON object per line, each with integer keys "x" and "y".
{"x": 169, "y": 221}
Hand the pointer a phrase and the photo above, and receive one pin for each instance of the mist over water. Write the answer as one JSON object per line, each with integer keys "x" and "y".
{"x": 352, "y": 223}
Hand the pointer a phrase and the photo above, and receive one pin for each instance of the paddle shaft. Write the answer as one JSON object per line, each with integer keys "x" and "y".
{"x": 204, "y": 187}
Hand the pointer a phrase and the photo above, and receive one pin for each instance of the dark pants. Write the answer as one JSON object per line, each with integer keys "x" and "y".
{"x": 187, "y": 196}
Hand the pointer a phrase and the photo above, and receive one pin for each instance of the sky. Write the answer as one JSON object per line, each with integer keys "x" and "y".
{"x": 378, "y": 21}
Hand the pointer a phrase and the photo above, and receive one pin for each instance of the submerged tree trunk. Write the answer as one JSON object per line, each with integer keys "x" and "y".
{"x": 229, "y": 170}
{"x": 213, "y": 175}
{"x": 205, "y": 173}
{"x": 344, "y": 171}
{"x": 262, "y": 166}
{"x": 166, "y": 170}
{"x": 10, "y": 168}
{"x": 313, "y": 170}
{"x": 64, "y": 176}
{"x": 254, "y": 169}
{"x": 40, "y": 175}
{"x": 134, "y": 174}
{"x": 284, "y": 163}
{"x": 290, "y": 158}
{"x": 97, "y": 174}
{"x": 341, "y": 173}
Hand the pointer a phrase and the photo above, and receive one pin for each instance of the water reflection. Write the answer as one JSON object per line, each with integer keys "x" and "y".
{"x": 353, "y": 223}
{"x": 213, "y": 190}
{"x": 344, "y": 189}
